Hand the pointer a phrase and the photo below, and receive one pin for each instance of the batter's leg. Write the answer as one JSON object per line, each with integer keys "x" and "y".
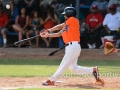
{"x": 71, "y": 53}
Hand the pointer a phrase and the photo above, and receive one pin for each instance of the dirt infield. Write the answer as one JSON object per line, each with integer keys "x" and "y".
{"x": 7, "y": 83}
{"x": 35, "y": 82}
{"x": 42, "y": 53}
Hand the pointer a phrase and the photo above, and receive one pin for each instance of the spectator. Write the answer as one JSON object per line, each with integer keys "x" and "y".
{"x": 82, "y": 29}
{"x": 41, "y": 10}
{"x": 116, "y": 2}
{"x": 61, "y": 19}
{"x": 93, "y": 26}
{"x": 102, "y": 6}
{"x": 35, "y": 26}
{"x": 8, "y": 6}
{"x": 29, "y": 4}
{"x": 50, "y": 19}
{"x": 20, "y": 4}
{"x": 82, "y": 21}
{"x": 58, "y": 7}
{"x": 3, "y": 25}
{"x": 112, "y": 23}
{"x": 44, "y": 3}
{"x": 21, "y": 24}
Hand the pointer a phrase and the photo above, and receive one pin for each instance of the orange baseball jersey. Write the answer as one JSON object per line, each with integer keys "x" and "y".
{"x": 71, "y": 32}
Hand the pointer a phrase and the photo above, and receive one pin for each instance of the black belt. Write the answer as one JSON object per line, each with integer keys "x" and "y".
{"x": 70, "y": 43}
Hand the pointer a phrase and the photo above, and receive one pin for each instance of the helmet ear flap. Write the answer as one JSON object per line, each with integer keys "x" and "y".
{"x": 68, "y": 15}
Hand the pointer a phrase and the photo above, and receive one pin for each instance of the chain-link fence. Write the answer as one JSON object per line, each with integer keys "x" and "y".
{"x": 23, "y": 23}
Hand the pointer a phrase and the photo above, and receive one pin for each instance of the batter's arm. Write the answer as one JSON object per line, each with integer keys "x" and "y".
{"x": 57, "y": 27}
{"x": 58, "y": 34}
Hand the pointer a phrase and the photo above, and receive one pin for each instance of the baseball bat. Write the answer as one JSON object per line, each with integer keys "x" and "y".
{"x": 25, "y": 40}
{"x": 52, "y": 53}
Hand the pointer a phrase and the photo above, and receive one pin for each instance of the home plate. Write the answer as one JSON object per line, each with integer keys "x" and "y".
{"x": 60, "y": 81}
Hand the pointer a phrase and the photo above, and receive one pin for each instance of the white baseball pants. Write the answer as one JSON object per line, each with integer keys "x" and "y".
{"x": 72, "y": 52}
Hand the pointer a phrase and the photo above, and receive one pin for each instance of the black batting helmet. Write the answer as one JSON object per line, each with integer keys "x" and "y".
{"x": 69, "y": 11}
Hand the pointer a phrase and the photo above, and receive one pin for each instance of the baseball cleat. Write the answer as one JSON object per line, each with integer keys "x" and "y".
{"x": 96, "y": 73}
{"x": 48, "y": 82}
{"x": 99, "y": 82}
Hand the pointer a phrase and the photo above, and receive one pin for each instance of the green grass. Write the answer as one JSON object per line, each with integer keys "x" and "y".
{"x": 44, "y": 68}
{"x": 31, "y": 68}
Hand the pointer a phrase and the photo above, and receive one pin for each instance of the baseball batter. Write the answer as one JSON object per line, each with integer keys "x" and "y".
{"x": 69, "y": 30}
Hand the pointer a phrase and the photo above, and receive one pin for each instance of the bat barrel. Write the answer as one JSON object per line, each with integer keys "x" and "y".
{"x": 25, "y": 40}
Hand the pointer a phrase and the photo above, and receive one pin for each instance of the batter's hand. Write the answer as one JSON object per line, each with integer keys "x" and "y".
{"x": 43, "y": 34}
{"x": 46, "y": 31}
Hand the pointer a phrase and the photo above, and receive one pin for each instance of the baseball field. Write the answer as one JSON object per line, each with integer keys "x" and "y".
{"x": 26, "y": 68}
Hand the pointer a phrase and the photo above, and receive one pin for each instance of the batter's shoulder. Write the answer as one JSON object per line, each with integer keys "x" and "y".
{"x": 73, "y": 19}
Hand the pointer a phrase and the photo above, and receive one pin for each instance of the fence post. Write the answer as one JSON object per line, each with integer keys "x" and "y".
{"x": 77, "y": 8}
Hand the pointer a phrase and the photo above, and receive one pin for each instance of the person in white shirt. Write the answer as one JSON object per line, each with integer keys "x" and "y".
{"x": 102, "y": 6}
{"x": 8, "y": 6}
{"x": 112, "y": 23}
{"x": 116, "y": 2}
